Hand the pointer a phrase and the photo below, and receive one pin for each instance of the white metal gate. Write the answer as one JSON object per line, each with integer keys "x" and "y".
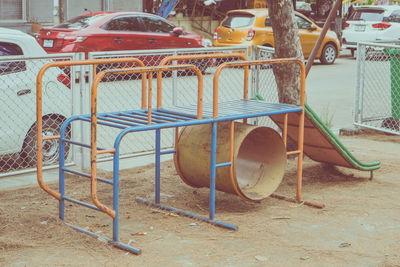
{"x": 377, "y": 94}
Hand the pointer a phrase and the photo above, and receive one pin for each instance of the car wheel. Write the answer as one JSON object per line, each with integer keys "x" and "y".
{"x": 328, "y": 55}
{"x": 352, "y": 51}
{"x": 51, "y": 148}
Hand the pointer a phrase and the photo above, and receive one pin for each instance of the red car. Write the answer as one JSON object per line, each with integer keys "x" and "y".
{"x": 114, "y": 31}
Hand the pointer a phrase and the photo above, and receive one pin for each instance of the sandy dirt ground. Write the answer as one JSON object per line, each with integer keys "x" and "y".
{"x": 360, "y": 225}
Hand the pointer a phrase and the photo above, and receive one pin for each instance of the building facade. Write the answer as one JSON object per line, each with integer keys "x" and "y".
{"x": 26, "y": 14}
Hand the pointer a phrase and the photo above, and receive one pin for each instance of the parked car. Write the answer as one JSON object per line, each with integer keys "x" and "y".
{"x": 18, "y": 98}
{"x": 115, "y": 31}
{"x": 253, "y": 27}
{"x": 371, "y": 24}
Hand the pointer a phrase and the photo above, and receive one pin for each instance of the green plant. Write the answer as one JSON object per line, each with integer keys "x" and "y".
{"x": 327, "y": 116}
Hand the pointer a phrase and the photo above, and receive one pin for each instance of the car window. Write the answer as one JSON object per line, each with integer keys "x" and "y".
{"x": 80, "y": 22}
{"x": 367, "y": 15}
{"x": 153, "y": 24}
{"x": 124, "y": 24}
{"x": 11, "y": 49}
{"x": 238, "y": 20}
{"x": 302, "y": 23}
{"x": 394, "y": 17}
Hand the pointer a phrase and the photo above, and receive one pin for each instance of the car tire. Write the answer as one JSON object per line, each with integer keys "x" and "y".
{"x": 329, "y": 54}
{"x": 51, "y": 148}
{"x": 352, "y": 51}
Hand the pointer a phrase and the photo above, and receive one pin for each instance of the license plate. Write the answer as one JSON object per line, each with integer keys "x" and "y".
{"x": 359, "y": 28}
{"x": 47, "y": 43}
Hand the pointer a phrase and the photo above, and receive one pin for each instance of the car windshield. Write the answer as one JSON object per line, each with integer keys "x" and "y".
{"x": 367, "y": 15}
{"x": 238, "y": 20}
{"x": 80, "y": 22}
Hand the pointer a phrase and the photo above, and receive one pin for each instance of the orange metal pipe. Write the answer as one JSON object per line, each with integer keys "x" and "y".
{"x": 190, "y": 57}
{"x": 51, "y": 137}
{"x": 93, "y": 149}
{"x": 300, "y": 141}
{"x": 39, "y": 109}
{"x": 308, "y": 203}
{"x": 150, "y": 96}
{"x": 105, "y": 151}
{"x": 294, "y": 152}
{"x": 285, "y": 123}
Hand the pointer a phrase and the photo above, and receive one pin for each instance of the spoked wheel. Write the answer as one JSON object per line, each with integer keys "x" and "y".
{"x": 329, "y": 54}
{"x": 50, "y": 148}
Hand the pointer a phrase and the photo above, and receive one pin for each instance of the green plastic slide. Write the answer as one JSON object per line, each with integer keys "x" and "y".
{"x": 320, "y": 144}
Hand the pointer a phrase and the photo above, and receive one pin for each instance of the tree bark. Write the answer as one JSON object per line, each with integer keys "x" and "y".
{"x": 287, "y": 44}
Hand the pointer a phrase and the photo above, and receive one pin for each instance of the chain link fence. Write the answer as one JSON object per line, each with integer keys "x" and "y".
{"x": 18, "y": 110}
{"x": 66, "y": 92}
{"x": 377, "y": 94}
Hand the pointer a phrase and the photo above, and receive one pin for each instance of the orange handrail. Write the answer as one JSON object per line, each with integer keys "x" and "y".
{"x": 40, "y": 138}
{"x": 194, "y": 57}
{"x": 299, "y": 150}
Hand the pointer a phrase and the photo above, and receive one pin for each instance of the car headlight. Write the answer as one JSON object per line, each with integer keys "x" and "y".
{"x": 206, "y": 42}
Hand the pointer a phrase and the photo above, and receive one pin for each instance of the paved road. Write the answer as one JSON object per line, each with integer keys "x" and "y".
{"x": 330, "y": 90}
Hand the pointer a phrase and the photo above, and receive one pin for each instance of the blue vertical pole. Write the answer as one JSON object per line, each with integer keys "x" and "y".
{"x": 116, "y": 190}
{"x": 158, "y": 148}
{"x": 61, "y": 176}
{"x": 213, "y": 170}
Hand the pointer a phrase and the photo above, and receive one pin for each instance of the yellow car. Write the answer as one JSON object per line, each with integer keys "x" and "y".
{"x": 253, "y": 27}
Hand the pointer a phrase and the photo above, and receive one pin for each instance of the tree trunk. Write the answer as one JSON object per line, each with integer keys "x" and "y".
{"x": 287, "y": 44}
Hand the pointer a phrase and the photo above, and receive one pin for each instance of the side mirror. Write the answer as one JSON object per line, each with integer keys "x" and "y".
{"x": 312, "y": 28}
{"x": 177, "y": 31}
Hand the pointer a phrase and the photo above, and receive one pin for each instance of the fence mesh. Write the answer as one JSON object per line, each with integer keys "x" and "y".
{"x": 265, "y": 83}
{"x": 18, "y": 110}
{"x": 66, "y": 92}
{"x": 377, "y": 101}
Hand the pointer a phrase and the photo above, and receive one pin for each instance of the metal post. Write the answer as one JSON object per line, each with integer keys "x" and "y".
{"x": 174, "y": 83}
{"x": 61, "y": 176}
{"x": 116, "y": 191}
{"x": 358, "y": 87}
{"x": 331, "y": 17}
{"x": 361, "y": 54}
{"x": 157, "y": 184}
{"x": 213, "y": 170}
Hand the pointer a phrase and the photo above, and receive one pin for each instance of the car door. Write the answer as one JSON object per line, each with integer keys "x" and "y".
{"x": 17, "y": 98}
{"x": 159, "y": 34}
{"x": 126, "y": 33}
{"x": 308, "y": 33}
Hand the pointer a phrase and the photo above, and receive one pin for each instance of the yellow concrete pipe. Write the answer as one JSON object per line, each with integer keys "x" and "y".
{"x": 258, "y": 165}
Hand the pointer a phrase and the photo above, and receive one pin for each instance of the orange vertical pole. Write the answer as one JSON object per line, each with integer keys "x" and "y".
{"x": 300, "y": 143}
{"x": 144, "y": 85}
{"x": 93, "y": 149}
{"x": 285, "y": 122}
{"x": 39, "y": 137}
{"x": 150, "y": 95}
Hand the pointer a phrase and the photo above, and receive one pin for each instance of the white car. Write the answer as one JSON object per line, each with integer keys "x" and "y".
{"x": 18, "y": 99}
{"x": 371, "y": 24}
